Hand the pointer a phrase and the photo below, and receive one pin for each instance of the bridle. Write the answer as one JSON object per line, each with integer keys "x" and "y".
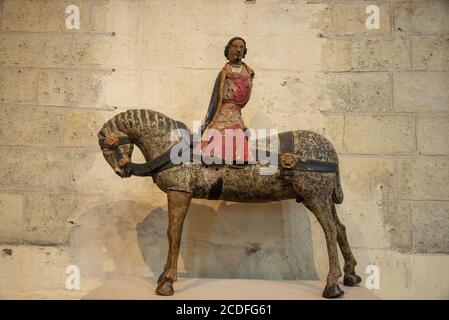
{"x": 112, "y": 142}
{"x": 161, "y": 162}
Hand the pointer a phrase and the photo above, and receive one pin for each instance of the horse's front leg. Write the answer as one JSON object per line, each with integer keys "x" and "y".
{"x": 178, "y": 205}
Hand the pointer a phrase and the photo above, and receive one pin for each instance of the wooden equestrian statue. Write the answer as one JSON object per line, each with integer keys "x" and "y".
{"x": 308, "y": 172}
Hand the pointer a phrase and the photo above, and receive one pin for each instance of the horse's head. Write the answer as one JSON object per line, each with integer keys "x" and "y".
{"x": 117, "y": 150}
{"x": 149, "y": 130}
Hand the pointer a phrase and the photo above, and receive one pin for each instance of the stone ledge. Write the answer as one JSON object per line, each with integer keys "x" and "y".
{"x": 222, "y": 289}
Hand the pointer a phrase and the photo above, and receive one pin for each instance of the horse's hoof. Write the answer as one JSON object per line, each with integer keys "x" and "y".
{"x": 165, "y": 289}
{"x": 333, "y": 291}
{"x": 161, "y": 278}
{"x": 351, "y": 280}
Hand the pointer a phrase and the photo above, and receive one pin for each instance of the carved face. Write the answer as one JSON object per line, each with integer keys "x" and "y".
{"x": 125, "y": 150}
{"x": 236, "y": 51}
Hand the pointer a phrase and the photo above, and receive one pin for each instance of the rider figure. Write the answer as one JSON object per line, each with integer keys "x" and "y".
{"x": 231, "y": 93}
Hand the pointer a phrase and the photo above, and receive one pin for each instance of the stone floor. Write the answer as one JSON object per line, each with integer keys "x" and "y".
{"x": 221, "y": 289}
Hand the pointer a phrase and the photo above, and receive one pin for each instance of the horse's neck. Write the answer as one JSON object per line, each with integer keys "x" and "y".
{"x": 150, "y": 130}
{"x": 152, "y": 136}
{"x": 153, "y": 145}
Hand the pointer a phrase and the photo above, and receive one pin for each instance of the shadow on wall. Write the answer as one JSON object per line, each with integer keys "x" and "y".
{"x": 103, "y": 242}
{"x": 263, "y": 241}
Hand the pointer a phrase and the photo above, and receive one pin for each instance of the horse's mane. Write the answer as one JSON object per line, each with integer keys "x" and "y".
{"x": 140, "y": 119}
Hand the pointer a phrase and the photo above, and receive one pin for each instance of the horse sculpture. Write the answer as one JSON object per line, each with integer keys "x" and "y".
{"x": 308, "y": 173}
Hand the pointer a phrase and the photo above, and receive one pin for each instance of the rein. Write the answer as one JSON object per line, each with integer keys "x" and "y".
{"x": 289, "y": 163}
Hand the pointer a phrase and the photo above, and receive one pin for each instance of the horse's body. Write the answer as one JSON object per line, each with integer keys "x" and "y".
{"x": 319, "y": 191}
{"x": 239, "y": 185}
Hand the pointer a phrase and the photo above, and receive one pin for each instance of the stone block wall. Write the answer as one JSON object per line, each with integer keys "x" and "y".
{"x": 380, "y": 95}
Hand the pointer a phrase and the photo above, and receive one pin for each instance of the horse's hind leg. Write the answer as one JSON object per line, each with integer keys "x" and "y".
{"x": 350, "y": 277}
{"x": 178, "y": 205}
{"x": 321, "y": 206}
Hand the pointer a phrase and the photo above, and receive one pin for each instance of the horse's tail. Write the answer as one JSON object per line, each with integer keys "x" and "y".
{"x": 337, "y": 195}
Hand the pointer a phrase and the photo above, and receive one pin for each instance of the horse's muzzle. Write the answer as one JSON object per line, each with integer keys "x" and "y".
{"x": 122, "y": 173}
